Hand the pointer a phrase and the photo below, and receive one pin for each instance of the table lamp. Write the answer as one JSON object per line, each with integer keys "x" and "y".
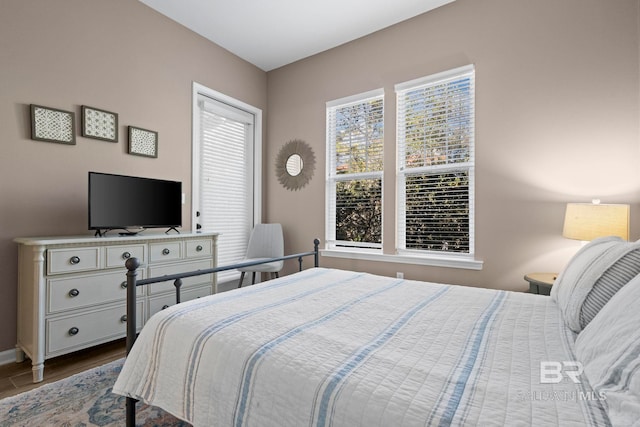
{"x": 588, "y": 221}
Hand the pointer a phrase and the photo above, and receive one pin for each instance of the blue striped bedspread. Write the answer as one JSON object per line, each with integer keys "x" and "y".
{"x": 327, "y": 347}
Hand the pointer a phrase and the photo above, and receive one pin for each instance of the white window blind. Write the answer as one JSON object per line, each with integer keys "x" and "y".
{"x": 225, "y": 190}
{"x": 435, "y": 142}
{"x": 355, "y": 128}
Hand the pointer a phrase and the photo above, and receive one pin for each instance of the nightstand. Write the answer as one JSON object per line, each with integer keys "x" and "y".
{"x": 540, "y": 283}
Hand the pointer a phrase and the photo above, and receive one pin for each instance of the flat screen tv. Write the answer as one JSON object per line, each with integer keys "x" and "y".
{"x": 133, "y": 203}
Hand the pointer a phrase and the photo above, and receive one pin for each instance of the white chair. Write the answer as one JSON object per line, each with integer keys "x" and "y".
{"x": 266, "y": 241}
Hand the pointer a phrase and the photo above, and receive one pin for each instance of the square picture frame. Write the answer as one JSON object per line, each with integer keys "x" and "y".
{"x": 53, "y": 125}
{"x": 143, "y": 142}
{"x": 99, "y": 124}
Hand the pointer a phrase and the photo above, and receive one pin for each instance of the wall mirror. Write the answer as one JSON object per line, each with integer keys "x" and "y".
{"x": 295, "y": 164}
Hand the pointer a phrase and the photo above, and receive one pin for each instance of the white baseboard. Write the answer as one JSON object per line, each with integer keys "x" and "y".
{"x": 8, "y": 356}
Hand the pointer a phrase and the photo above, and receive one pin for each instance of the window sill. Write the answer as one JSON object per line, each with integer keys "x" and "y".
{"x": 433, "y": 261}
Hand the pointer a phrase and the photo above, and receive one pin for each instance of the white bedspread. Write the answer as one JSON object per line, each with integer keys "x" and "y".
{"x": 336, "y": 348}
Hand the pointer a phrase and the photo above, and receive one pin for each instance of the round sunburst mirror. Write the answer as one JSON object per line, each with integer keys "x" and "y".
{"x": 295, "y": 164}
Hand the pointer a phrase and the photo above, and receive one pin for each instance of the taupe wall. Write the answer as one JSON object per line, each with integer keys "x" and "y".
{"x": 117, "y": 55}
{"x": 557, "y": 121}
{"x": 557, "y": 117}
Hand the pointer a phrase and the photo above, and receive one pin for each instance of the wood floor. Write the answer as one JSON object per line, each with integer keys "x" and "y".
{"x": 16, "y": 378}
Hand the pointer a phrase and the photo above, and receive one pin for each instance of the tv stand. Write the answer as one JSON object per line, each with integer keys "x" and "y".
{"x": 172, "y": 228}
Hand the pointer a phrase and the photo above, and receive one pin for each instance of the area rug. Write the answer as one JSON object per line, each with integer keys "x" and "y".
{"x": 84, "y": 399}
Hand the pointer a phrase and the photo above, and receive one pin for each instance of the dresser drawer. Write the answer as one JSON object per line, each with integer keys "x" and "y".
{"x": 70, "y": 260}
{"x": 83, "y": 330}
{"x": 79, "y": 291}
{"x": 157, "y": 271}
{"x": 116, "y": 256}
{"x": 165, "y": 301}
{"x": 199, "y": 248}
{"x": 165, "y": 251}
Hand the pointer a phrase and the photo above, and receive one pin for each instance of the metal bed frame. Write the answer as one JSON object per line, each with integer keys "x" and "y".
{"x": 133, "y": 264}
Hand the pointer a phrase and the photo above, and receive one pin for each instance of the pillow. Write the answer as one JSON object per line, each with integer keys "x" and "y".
{"x": 594, "y": 274}
{"x": 609, "y": 350}
{"x": 614, "y": 278}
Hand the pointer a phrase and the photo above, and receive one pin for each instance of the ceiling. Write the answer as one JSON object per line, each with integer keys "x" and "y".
{"x": 273, "y": 33}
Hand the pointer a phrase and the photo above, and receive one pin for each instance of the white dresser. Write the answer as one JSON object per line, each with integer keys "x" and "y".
{"x": 72, "y": 290}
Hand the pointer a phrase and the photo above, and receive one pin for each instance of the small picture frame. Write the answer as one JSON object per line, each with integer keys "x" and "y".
{"x": 99, "y": 124}
{"x": 143, "y": 142}
{"x": 53, "y": 125}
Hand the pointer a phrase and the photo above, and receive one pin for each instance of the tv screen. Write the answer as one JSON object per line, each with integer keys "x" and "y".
{"x": 124, "y": 202}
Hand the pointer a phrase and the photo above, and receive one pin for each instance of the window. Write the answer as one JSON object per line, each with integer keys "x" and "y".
{"x": 354, "y": 171}
{"x": 435, "y": 180}
{"x": 225, "y": 197}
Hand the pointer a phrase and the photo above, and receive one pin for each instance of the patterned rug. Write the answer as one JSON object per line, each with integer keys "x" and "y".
{"x": 82, "y": 400}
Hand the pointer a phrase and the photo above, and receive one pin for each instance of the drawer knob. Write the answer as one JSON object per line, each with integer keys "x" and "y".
{"x": 126, "y": 255}
{"x": 199, "y": 248}
{"x": 166, "y": 251}
{"x": 74, "y": 293}
{"x": 74, "y": 260}
{"x": 123, "y": 285}
{"x": 74, "y": 331}
{"x": 164, "y": 307}
{"x": 123, "y": 319}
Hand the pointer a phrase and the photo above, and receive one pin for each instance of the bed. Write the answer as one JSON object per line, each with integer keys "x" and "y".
{"x": 327, "y": 347}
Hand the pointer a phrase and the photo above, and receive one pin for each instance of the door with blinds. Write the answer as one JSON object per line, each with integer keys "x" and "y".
{"x": 224, "y": 177}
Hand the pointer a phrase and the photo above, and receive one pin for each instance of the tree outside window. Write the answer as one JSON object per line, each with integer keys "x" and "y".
{"x": 354, "y": 181}
{"x": 435, "y": 161}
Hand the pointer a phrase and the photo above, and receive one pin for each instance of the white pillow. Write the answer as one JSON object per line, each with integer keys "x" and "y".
{"x": 625, "y": 268}
{"x": 609, "y": 349}
{"x": 594, "y": 274}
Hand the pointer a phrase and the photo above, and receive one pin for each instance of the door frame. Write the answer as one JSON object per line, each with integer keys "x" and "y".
{"x": 257, "y": 148}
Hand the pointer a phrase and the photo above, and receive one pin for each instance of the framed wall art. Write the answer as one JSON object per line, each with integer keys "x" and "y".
{"x": 99, "y": 124}
{"x": 53, "y": 125}
{"x": 143, "y": 142}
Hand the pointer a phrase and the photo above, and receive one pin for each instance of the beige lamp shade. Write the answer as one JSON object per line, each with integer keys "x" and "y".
{"x": 588, "y": 221}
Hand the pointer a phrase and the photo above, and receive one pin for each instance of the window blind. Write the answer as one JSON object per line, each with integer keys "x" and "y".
{"x": 225, "y": 190}
{"x": 435, "y": 142}
{"x": 355, "y": 130}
